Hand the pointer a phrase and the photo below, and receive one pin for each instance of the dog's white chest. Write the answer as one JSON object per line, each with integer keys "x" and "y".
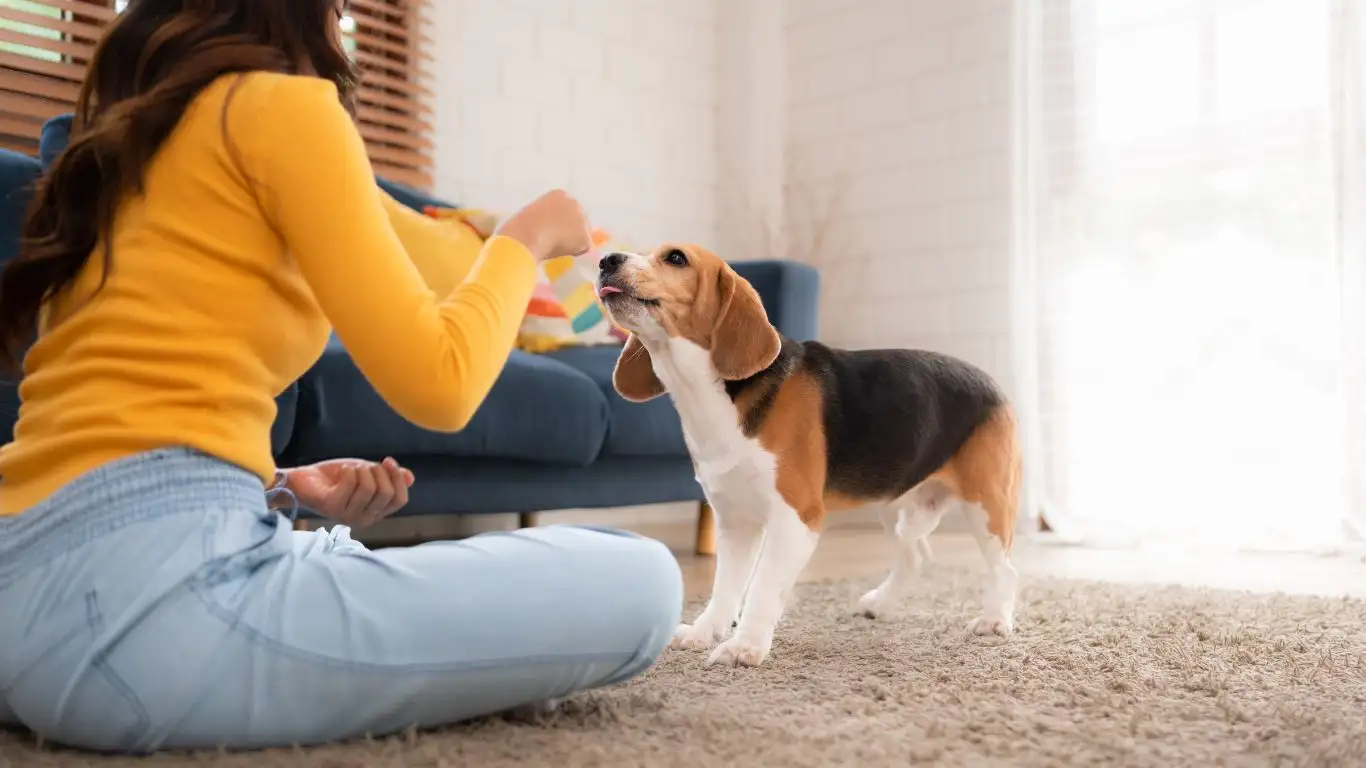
{"x": 733, "y": 469}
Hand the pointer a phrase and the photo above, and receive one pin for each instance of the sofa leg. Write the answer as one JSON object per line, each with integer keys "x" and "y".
{"x": 706, "y": 530}
{"x": 526, "y": 520}
{"x": 301, "y": 524}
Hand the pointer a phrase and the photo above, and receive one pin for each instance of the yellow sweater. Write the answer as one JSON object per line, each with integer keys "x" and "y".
{"x": 260, "y": 229}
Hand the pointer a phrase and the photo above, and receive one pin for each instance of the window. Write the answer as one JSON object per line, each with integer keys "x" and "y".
{"x": 41, "y": 29}
{"x": 1186, "y": 269}
{"x": 393, "y": 112}
{"x": 45, "y": 46}
{"x": 348, "y": 25}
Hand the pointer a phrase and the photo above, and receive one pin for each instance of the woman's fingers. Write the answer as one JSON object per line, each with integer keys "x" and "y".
{"x": 371, "y": 492}
{"x": 384, "y": 493}
{"x": 400, "y": 479}
{"x": 362, "y": 496}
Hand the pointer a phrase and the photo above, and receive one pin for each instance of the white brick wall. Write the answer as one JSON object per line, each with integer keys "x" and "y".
{"x": 616, "y": 100}
{"x": 899, "y": 126}
{"x": 742, "y": 130}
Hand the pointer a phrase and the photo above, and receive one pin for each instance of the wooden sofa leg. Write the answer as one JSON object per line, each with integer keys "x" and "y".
{"x": 526, "y": 520}
{"x": 706, "y": 530}
{"x": 301, "y": 524}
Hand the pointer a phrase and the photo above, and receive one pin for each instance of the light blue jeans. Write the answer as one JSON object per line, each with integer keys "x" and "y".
{"x": 157, "y": 603}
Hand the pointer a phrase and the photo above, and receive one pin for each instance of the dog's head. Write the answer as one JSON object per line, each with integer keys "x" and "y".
{"x": 683, "y": 292}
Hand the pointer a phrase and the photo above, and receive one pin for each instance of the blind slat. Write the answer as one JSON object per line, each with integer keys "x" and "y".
{"x": 399, "y": 85}
{"x": 395, "y": 120}
{"x": 77, "y": 51}
{"x": 10, "y": 126}
{"x": 71, "y": 73}
{"x": 373, "y": 25}
{"x": 390, "y": 16}
{"x": 402, "y": 157}
{"x": 78, "y": 29}
{"x": 38, "y": 85}
{"x": 392, "y": 47}
{"x": 32, "y": 106}
{"x": 371, "y": 62}
{"x": 97, "y": 11}
{"x": 402, "y": 139}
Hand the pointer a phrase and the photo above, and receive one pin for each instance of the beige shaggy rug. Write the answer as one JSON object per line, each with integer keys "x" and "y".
{"x": 1096, "y": 674}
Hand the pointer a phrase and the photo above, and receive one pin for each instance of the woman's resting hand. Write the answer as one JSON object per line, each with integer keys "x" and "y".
{"x": 352, "y": 492}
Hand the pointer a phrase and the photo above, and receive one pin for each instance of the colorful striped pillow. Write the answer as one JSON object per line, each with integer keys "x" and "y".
{"x": 564, "y": 310}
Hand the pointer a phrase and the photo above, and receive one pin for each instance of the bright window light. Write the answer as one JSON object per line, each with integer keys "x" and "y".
{"x": 39, "y": 9}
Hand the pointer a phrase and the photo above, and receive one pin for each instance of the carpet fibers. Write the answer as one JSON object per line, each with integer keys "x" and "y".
{"x": 1097, "y": 674}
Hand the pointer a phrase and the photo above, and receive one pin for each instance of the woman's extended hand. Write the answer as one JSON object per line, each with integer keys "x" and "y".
{"x": 552, "y": 225}
{"x": 353, "y": 492}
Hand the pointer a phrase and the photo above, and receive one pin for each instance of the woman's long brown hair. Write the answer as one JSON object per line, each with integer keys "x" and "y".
{"x": 150, "y": 64}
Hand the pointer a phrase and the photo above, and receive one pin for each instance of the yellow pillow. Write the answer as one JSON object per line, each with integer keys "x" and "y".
{"x": 443, "y": 250}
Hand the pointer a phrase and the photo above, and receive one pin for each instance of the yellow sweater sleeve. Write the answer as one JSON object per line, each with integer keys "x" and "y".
{"x": 433, "y": 359}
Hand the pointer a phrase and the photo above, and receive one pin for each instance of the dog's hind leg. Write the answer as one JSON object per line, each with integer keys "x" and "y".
{"x": 908, "y": 529}
{"x": 988, "y": 468}
{"x": 1001, "y": 583}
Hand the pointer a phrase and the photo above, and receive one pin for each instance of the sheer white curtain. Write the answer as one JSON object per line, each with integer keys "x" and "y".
{"x": 1195, "y": 269}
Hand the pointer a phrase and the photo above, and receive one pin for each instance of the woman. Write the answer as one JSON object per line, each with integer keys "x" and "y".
{"x": 183, "y": 262}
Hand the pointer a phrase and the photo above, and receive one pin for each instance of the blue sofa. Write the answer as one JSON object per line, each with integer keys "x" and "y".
{"x": 553, "y": 434}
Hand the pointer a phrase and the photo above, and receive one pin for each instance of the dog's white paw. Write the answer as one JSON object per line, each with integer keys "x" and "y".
{"x": 696, "y": 637}
{"x": 992, "y": 625}
{"x": 740, "y": 652}
{"x": 874, "y": 604}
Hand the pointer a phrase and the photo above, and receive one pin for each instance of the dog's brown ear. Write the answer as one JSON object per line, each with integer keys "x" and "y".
{"x": 634, "y": 377}
{"x": 743, "y": 342}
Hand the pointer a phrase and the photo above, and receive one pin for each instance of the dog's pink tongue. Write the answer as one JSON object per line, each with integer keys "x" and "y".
{"x": 607, "y": 290}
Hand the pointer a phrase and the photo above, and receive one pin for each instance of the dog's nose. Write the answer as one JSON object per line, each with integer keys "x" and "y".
{"x": 611, "y": 263}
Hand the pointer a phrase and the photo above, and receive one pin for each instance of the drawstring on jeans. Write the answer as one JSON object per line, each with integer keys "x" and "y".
{"x": 278, "y": 488}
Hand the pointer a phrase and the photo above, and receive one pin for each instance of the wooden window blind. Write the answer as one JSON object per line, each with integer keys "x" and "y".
{"x": 45, "y": 47}
{"x": 394, "y": 107}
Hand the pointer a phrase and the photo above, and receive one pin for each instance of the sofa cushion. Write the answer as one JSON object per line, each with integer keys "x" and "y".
{"x": 539, "y": 410}
{"x": 493, "y": 486}
{"x": 53, "y": 138}
{"x": 18, "y": 172}
{"x": 638, "y": 429}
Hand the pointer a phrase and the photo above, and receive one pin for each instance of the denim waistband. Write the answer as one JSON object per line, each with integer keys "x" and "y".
{"x": 134, "y": 489}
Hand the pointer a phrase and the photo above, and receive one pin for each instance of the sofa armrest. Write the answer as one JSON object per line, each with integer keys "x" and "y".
{"x": 790, "y": 292}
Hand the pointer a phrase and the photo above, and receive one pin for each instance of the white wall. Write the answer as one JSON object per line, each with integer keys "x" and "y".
{"x": 615, "y": 100}
{"x": 739, "y": 128}
{"x": 898, "y": 126}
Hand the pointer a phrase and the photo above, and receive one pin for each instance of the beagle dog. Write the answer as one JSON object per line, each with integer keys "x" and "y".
{"x": 782, "y": 432}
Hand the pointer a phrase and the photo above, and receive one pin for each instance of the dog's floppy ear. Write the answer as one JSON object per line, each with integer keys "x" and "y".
{"x": 634, "y": 377}
{"x": 743, "y": 341}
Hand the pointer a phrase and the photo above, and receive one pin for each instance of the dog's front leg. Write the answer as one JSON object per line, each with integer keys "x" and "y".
{"x": 788, "y": 544}
{"x": 737, "y": 546}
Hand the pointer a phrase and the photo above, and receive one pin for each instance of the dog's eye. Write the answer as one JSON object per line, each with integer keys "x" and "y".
{"x": 676, "y": 258}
